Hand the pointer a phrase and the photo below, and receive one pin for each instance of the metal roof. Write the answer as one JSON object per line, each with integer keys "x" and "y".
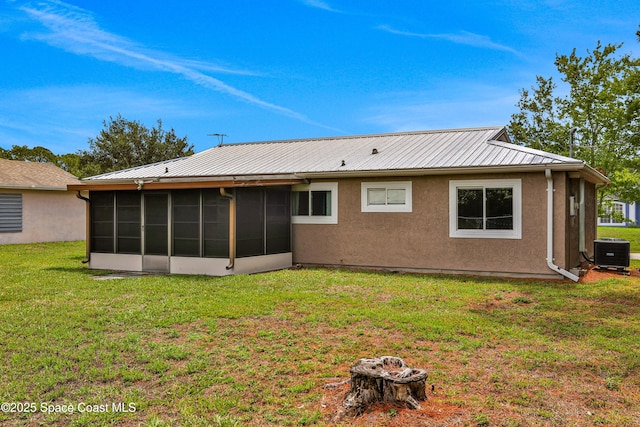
{"x": 421, "y": 151}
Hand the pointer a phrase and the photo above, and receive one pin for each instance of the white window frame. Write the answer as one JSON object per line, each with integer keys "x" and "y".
{"x": 609, "y": 217}
{"x": 515, "y": 184}
{"x": 318, "y": 219}
{"x": 390, "y": 185}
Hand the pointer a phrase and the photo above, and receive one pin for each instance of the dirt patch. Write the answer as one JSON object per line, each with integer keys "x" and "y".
{"x": 434, "y": 412}
{"x": 595, "y": 274}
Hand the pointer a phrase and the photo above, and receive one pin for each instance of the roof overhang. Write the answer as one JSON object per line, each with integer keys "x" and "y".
{"x": 584, "y": 171}
{"x": 34, "y": 187}
{"x": 187, "y": 183}
{"x": 578, "y": 169}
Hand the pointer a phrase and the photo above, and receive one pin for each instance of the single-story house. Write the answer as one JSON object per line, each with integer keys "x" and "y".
{"x": 35, "y": 205}
{"x": 453, "y": 201}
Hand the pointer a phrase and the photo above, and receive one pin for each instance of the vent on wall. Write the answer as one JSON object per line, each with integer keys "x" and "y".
{"x": 611, "y": 253}
{"x": 11, "y": 213}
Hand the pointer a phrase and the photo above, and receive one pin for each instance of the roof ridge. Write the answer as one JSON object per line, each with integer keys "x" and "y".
{"x": 535, "y": 151}
{"x": 372, "y": 135}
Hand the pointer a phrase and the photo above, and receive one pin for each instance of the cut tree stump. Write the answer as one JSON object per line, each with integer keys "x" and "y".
{"x": 384, "y": 379}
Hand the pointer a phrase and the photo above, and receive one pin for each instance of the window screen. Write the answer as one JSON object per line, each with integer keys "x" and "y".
{"x": 215, "y": 223}
{"x": 156, "y": 224}
{"x": 128, "y": 222}
{"x": 186, "y": 223}
{"x": 102, "y": 224}
{"x": 249, "y": 222}
{"x": 278, "y": 221}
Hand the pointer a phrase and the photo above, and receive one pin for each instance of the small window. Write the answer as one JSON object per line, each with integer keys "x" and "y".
{"x": 485, "y": 209}
{"x": 315, "y": 203}
{"x": 386, "y": 196}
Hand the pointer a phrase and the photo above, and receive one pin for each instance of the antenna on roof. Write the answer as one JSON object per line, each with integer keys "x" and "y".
{"x": 220, "y": 137}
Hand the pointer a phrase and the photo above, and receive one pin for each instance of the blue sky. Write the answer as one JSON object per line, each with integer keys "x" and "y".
{"x": 282, "y": 69}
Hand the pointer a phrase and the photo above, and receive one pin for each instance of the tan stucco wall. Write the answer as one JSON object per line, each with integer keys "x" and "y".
{"x": 48, "y": 216}
{"x": 420, "y": 239}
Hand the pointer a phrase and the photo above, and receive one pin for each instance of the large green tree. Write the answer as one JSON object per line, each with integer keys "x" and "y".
{"x": 24, "y": 153}
{"x": 600, "y": 98}
{"x": 125, "y": 144}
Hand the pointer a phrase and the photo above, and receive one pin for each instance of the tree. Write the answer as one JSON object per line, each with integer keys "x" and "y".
{"x": 602, "y": 102}
{"x": 538, "y": 124}
{"x": 24, "y": 153}
{"x": 125, "y": 144}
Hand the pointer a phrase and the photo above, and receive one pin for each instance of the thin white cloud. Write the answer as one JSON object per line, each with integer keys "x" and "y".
{"x": 319, "y": 4}
{"x": 462, "y": 37}
{"x": 75, "y": 30}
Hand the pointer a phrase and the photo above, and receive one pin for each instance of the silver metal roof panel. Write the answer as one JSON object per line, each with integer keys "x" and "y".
{"x": 419, "y": 151}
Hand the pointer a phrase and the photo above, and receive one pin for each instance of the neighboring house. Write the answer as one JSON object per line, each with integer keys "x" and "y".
{"x": 35, "y": 205}
{"x": 619, "y": 214}
{"x": 452, "y": 201}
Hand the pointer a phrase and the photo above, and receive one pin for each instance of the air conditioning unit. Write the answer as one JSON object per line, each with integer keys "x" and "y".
{"x": 611, "y": 253}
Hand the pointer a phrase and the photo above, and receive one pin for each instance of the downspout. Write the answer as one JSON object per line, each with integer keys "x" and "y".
{"x": 552, "y": 266}
{"x": 87, "y": 256}
{"x": 582, "y": 245}
{"x": 232, "y": 227}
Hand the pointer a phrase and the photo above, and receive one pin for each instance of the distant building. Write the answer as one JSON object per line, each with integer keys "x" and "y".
{"x": 619, "y": 214}
{"x": 35, "y": 205}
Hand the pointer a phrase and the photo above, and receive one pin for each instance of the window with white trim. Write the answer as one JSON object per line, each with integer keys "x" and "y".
{"x": 613, "y": 214}
{"x": 315, "y": 203}
{"x": 490, "y": 208}
{"x": 393, "y": 196}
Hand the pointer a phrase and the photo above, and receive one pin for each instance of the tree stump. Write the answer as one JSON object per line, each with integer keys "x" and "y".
{"x": 384, "y": 379}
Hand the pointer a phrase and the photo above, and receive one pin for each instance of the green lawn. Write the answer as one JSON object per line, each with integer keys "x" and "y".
{"x": 632, "y": 234}
{"x": 256, "y": 350}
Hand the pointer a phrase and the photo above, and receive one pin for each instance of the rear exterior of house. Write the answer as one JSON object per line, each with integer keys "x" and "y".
{"x": 35, "y": 205}
{"x": 455, "y": 201}
{"x": 426, "y": 239}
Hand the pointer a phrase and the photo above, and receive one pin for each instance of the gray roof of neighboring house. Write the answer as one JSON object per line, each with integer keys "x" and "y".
{"x": 406, "y": 152}
{"x": 16, "y": 174}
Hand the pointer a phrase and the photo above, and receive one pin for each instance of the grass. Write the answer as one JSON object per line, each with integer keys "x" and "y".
{"x": 632, "y": 234}
{"x": 256, "y": 350}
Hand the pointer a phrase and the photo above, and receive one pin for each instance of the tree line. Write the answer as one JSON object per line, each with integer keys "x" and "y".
{"x": 121, "y": 144}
